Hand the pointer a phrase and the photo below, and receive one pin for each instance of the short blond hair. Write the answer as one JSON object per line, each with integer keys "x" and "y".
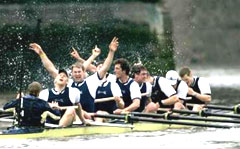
{"x": 78, "y": 65}
{"x": 34, "y": 88}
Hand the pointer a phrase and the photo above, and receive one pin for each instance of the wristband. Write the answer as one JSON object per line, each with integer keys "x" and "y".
{"x": 42, "y": 55}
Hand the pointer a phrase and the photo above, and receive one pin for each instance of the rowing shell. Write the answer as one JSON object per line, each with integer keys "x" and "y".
{"x": 79, "y": 130}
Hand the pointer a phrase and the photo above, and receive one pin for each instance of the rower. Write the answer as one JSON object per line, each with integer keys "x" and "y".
{"x": 139, "y": 74}
{"x": 163, "y": 95}
{"x": 180, "y": 87}
{"x": 198, "y": 88}
{"x": 64, "y": 96}
{"x": 130, "y": 88}
{"x": 88, "y": 86}
{"x": 108, "y": 88}
{"x": 32, "y": 107}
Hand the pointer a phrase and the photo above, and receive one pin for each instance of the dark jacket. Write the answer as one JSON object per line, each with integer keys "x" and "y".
{"x": 33, "y": 107}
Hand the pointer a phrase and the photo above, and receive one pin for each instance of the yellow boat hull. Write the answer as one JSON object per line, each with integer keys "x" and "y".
{"x": 92, "y": 130}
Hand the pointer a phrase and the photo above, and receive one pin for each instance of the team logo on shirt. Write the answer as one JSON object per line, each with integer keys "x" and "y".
{"x": 102, "y": 92}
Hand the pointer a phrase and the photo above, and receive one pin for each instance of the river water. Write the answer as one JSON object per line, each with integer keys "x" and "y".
{"x": 225, "y": 90}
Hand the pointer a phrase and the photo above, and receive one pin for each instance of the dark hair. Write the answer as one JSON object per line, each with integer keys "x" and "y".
{"x": 136, "y": 69}
{"x": 184, "y": 71}
{"x": 123, "y": 64}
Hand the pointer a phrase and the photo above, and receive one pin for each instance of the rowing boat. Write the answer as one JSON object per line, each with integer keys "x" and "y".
{"x": 135, "y": 122}
{"x": 94, "y": 129}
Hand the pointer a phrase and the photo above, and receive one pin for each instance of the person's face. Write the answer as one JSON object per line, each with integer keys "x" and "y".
{"x": 118, "y": 70}
{"x": 187, "y": 79}
{"x": 61, "y": 79}
{"x": 141, "y": 77}
{"x": 78, "y": 74}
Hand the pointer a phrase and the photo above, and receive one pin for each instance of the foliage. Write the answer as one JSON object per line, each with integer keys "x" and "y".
{"x": 137, "y": 44}
{"x": 67, "y": 1}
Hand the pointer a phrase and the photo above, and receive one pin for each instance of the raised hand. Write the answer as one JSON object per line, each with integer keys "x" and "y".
{"x": 75, "y": 54}
{"x": 114, "y": 44}
{"x": 36, "y": 48}
{"x": 96, "y": 51}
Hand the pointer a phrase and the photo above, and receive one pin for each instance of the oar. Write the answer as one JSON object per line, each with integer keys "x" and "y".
{"x": 169, "y": 116}
{"x": 130, "y": 118}
{"x": 235, "y": 109}
{"x": 205, "y": 113}
{"x": 112, "y": 98}
{"x": 98, "y": 101}
{"x": 5, "y": 113}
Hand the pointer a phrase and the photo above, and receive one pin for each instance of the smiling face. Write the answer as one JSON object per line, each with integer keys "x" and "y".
{"x": 118, "y": 70}
{"x": 78, "y": 74}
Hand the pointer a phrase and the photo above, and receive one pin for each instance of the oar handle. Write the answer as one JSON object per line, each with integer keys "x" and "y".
{"x": 104, "y": 99}
{"x": 235, "y": 109}
{"x": 98, "y": 101}
{"x": 112, "y": 98}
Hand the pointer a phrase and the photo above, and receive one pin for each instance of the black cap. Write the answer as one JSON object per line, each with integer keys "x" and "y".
{"x": 63, "y": 71}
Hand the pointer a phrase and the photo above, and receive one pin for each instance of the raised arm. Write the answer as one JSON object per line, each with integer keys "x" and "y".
{"x": 87, "y": 64}
{"x": 45, "y": 60}
{"x": 107, "y": 63}
{"x": 75, "y": 55}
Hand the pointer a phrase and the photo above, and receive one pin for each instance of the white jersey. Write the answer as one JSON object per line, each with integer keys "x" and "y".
{"x": 182, "y": 90}
{"x": 166, "y": 87}
{"x": 149, "y": 89}
{"x": 203, "y": 85}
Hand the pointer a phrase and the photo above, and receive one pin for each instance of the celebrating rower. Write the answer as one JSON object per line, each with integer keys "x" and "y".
{"x": 108, "y": 89}
{"x": 198, "y": 88}
{"x": 64, "y": 96}
{"x": 88, "y": 86}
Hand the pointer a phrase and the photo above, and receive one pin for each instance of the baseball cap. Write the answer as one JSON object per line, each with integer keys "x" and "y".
{"x": 63, "y": 71}
{"x": 172, "y": 76}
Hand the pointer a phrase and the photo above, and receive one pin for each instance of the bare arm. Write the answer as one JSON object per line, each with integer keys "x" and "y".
{"x": 79, "y": 112}
{"x": 202, "y": 97}
{"x": 135, "y": 104}
{"x": 107, "y": 63}
{"x": 45, "y": 60}
{"x": 171, "y": 100}
{"x": 119, "y": 101}
{"x": 75, "y": 55}
{"x": 87, "y": 64}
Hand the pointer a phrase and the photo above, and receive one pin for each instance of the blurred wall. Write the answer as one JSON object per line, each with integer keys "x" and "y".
{"x": 206, "y": 32}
